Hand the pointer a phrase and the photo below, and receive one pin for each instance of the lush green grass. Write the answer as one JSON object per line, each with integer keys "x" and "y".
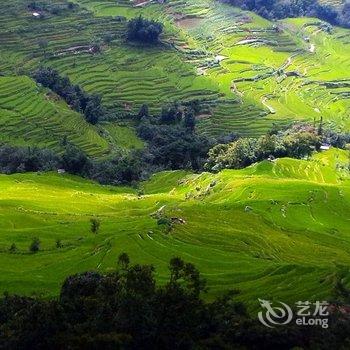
{"x": 273, "y": 230}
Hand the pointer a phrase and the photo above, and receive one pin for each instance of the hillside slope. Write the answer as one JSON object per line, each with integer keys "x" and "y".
{"x": 273, "y": 230}
{"x": 265, "y": 72}
{"x": 248, "y": 73}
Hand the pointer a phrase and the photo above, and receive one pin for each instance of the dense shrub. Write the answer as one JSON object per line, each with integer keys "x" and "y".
{"x": 119, "y": 169}
{"x": 74, "y": 95}
{"x": 172, "y": 140}
{"x": 35, "y": 245}
{"x": 95, "y": 225}
{"x": 297, "y": 142}
{"x": 344, "y": 14}
{"x": 143, "y": 30}
{"x": 24, "y": 159}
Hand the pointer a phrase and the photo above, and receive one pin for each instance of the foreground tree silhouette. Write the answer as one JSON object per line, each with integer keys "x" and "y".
{"x": 125, "y": 309}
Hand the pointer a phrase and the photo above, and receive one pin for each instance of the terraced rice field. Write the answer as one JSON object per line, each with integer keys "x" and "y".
{"x": 122, "y": 136}
{"x": 30, "y": 116}
{"x": 247, "y": 72}
{"x": 266, "y": 72}
{"x": 275, "y": 229}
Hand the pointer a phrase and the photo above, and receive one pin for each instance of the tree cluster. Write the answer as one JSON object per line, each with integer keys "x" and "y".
{"x": 279, "y": 9}
{"x": 89, "y": 105}
{"x": 53, "y": 9}
{"x": 172, "y": 140}
{"x": 26, "y": 159}
{"x": 298, "y": 141}
{"x": 119, "y": 169}
{"x": 124, "y": 168}
{"x": 126, "y": 309}
{"x": 144, "y": 30}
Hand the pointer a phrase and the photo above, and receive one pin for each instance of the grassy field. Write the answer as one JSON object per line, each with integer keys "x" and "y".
{"x": 247, "y": 72}
{"x": 273, "y": 230}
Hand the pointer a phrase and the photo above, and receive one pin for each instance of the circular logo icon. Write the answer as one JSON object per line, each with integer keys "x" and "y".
{"x": 274, "y": 315}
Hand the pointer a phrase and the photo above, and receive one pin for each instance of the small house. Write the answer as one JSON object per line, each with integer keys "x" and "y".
{"x": 325, "y": 147}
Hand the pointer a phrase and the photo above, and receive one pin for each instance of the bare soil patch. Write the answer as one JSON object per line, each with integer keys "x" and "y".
{"x": 188, "y": 22}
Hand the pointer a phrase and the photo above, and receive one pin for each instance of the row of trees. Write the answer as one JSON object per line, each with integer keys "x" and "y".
{"x": 172, "y": 143}
{"x": 298, "y": 141}
{"x": 89, "y": 105}
{"x": 35, "y": 245}
{"x": 126, "y": 309}
{"x": 26, "y": 159}
{"x": 119, "y": 169}
{"x": 278, "y": 9}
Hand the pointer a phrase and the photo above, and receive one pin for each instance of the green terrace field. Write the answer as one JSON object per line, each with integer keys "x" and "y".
{"x": 247, "y": 72}
{"x": 266, "y": 72}
{"x": 30, "y": 116}
{"x": 274, "y": 230}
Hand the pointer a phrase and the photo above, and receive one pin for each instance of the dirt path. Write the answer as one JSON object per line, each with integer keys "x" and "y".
{"x": 288, "y": 62}
{"x": 271, "y": 109}
{"x": 236, "y": 91}
{"x": 140, "y": 3}
{"x": 317, "y": 31}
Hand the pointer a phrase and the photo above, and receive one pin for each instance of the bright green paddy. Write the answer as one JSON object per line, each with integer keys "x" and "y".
{"x": 273, "y": 230}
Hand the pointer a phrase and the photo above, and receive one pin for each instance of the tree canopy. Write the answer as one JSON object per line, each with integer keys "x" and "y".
{"x": 126, "y": 309}
{"x": 89, "y": 105}
{"x": 144, "y": 30}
